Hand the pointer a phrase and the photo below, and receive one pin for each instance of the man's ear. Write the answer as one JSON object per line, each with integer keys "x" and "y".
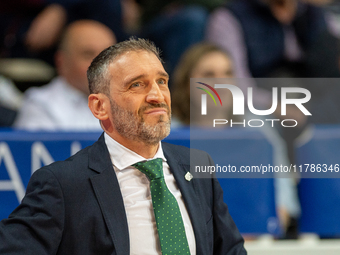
{"x": 99, "y": 105}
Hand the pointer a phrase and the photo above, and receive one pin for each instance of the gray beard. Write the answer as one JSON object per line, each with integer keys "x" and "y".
{"x": 134, "y": 127}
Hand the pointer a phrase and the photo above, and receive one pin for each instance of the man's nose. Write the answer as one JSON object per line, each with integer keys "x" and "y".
{"x": 155, "y": 94}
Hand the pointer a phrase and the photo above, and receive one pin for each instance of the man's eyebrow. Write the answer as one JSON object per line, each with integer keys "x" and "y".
{"x": 164, "y": 74}
{"x": 129, "y": 81}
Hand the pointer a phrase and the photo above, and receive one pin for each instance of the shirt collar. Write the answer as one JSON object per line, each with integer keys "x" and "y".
{"x": 123, "y": 157}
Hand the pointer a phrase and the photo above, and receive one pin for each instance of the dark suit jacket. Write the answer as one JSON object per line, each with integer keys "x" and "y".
{"x": 76, "y": 207}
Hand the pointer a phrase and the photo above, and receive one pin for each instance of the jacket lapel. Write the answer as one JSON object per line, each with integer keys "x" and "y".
{"x": 107, "y": 191}
{"x": 191, "y": 200}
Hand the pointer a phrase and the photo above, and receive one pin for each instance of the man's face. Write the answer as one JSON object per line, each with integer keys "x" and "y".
{"x": 140, "y": 97}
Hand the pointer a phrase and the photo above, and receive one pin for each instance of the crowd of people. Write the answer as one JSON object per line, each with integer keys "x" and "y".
{"x": 263, "y": 38}
{"x": 197, "y": 38}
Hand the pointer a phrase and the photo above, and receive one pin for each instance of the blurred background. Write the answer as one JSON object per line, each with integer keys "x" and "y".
{"x": 46, "y": 47}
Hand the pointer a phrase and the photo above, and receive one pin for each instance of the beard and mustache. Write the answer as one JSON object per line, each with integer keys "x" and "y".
{"x": 135, "y": 128}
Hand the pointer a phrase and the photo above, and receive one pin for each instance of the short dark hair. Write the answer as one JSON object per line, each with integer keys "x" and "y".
{"x": 98, "y": 75}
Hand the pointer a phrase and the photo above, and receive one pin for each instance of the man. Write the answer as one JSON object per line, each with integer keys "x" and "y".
{"x": 62, "y": 104}
{"x": 100, "y": 201}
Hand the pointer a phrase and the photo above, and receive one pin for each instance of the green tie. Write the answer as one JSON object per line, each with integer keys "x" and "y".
{"x": 169, "y": 221}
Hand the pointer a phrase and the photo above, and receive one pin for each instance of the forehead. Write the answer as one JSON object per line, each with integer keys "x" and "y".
{"x": 135, "y": 63}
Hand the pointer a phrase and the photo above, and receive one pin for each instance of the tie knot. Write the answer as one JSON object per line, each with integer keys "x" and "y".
{"x": 153, "y": 169}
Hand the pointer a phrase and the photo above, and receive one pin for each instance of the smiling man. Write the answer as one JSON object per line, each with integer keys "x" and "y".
{"x": 135, "y": 109}
{"x": 128, "y": 193}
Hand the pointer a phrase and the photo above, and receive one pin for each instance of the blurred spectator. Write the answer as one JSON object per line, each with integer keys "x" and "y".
{"x": 62, "y": 104}
{"x": 264, "y": 35}
{"x": 175, "y": 25}
{"x": 31, "y": 29}
{"x": 206, "y": 60}
{"x": 10, "y": 102}
{"x": 202, "y": 60}
{"x": 277, "y": 38}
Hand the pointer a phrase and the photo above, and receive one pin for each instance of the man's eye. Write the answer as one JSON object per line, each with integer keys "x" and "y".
{"x": 135, "y": 85}
{"x": 162, "y": 81}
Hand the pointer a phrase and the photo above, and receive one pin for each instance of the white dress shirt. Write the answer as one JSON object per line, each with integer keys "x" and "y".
{"x": 135, "y": 188}
{"x": 56, "y": 106}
